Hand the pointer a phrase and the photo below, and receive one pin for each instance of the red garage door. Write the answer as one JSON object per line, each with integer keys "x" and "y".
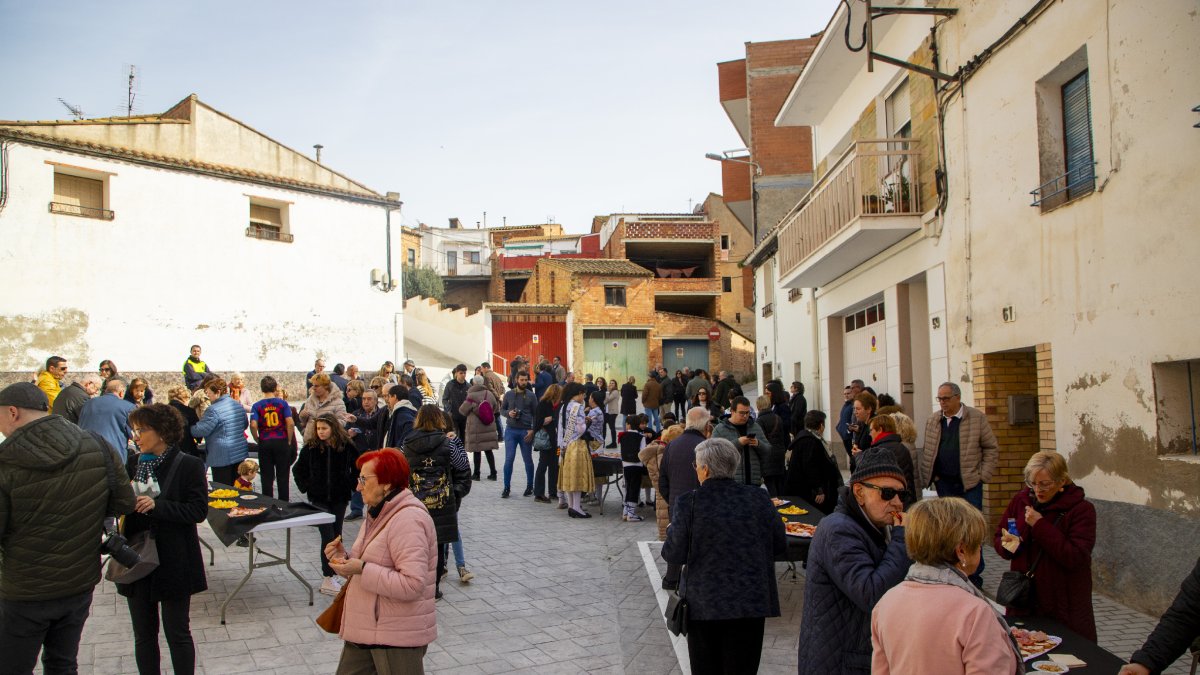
{"x": 530, "y": 339}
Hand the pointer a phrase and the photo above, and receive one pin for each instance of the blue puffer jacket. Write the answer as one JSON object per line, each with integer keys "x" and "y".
{"x": 729, "y": 545}
{"x": 851, "y": 564}
{"x": 223, "y": 429}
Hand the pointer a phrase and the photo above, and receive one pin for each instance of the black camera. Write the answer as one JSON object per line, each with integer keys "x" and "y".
{"x": 116, "y": 545}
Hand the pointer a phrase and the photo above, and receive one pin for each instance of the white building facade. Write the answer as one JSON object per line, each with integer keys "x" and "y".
{"x": 132, "y": 238}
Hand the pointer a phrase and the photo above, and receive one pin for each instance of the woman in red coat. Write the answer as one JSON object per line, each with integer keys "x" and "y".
{"x": 1054, "y": 520}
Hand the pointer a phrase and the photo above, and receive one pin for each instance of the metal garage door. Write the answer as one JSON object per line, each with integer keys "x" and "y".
{"x": 615, "y": 353}
{"x": 864, "y": 347}
{"x": 680, "y": 353}
{"x": 528, "y": 338}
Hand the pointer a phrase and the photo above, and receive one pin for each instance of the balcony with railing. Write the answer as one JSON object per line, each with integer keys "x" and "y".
{"x": 82, "y": 211}
{"x": 269, "y": 233}
{"x": 867, "y": 201}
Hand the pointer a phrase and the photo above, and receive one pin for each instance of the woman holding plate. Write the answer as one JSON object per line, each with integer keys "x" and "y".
{"x": 172, "y": 499}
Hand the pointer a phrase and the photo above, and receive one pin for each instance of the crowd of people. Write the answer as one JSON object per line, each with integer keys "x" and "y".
{"x": 892, "y": 584}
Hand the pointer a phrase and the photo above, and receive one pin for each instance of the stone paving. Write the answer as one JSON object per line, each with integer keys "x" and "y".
{"x": 551, "y": 595}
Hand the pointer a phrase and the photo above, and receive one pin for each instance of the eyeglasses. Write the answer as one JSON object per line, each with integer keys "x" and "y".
{"x": 362, "y": 480}
{"x": 943, "y": 399}
{"x": 888, "y": 493}
{"x": 106, "y": 370}
{"x": 1041, "y": 485}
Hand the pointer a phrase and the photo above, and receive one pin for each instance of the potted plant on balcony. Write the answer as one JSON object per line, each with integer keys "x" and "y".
{"x": 896, "y": 195}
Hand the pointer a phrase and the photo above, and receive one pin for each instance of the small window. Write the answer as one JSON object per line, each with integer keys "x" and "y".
{"x": 727, "y": 284}
{"x": 268, "y": 221}
{"x": 725, "y": 242}
{"x": 1077, "y": 136}
{"x": 1066, "y": 154}
{"x": 1177, "y": 403}
{"x": 471, "y": 257}
{"x": 737, "y": 317}
{"x": 412, "y": 256}
{"x": 79, "y": 196}
{"x": 614, "y": 296}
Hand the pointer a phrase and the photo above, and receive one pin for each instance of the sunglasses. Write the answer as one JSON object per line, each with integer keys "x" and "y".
{"x": 888, "y": 493}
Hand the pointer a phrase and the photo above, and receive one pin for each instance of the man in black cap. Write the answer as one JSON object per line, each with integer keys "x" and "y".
{"x": 54, "y": 497}
{"x": 857, "y": 554}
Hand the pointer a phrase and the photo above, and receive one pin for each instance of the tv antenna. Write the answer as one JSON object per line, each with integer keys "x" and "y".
{"x": 76, "y": 111}
{"x": 131, "y": 89}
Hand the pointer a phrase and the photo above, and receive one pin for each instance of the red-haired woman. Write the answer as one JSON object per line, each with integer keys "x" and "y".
{"x": 389, "y": 617}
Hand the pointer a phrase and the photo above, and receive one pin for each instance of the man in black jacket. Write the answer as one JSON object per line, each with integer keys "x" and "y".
{"x": 54, "y": 497}
{"x": 799, "y": 407}
{"x": 70, "y": 400}
{"x": 452, "y": 398}
{"x": 1177, "y": 629}
{"x": 677, "y": 475}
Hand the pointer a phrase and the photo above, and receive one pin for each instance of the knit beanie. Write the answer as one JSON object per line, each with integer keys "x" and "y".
{"x": 875, "y": 463}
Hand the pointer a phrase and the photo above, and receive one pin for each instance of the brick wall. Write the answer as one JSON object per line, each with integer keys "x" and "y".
{"x": 923, "y": 102}
{"x": 772, "y": 70}
{"x": 669, "y": 230}
{"x": 1045, "y": 390}
{"x": 735, "y": 181}
{"x": 731, "y": 80}
{"x": 996, "y": 377}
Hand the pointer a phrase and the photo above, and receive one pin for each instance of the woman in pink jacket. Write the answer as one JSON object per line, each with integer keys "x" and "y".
{"x": 936, "y": 621}
{"x": 389, "y": 617}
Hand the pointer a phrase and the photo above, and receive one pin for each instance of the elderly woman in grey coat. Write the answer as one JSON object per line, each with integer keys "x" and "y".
{"x": 481, "y": 437}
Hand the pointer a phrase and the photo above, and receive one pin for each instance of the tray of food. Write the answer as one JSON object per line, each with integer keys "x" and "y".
{"x": 1049, "y": 667}
{"x": 779, "y": 502}
{"x": 223, "y": 494}
{"x": 1034, "y": 643}
{"x": 222, "y": 503}
{"x": 248, "y": 497}
{"x": 793, "y": 510}
{"x": 239, "y": 511}
{"x": 800, "y": 530}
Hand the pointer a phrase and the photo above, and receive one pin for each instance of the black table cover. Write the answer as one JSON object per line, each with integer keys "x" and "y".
{"x": 797, "y": 549}
{"x": 1098, "y": 659}
{"x": 229, "y": 529}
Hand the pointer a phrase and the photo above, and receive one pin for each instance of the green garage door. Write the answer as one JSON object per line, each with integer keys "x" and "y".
{"x": 680, "y": 353}
{"x": 615, "y": 353}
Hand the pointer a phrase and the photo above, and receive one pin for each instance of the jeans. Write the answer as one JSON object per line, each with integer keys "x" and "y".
{"x": 356, "y": 503}
{"x": 275, "y": 458}
{"x": 330, "y": 531}
{"x": 513, "y": 438}
{"x": 144, "y": 615}
{"x": 953, "y": 487}
{"x": 545, "y": 481}
{"x": 459, "y": 559}
{"x": 52, "y": 627}
{"x": 610, "y": 421}
{"x": 725, "y": 647}
{"x": 653, "y": 420}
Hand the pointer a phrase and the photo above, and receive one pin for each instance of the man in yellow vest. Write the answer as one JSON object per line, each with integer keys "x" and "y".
{"x": 194, "y": 370}
{"x": 50, "y": 380}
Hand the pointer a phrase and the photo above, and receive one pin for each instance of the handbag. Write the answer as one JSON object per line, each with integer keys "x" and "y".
{"x": 330, "y": 620}
{"x": 542, "y": 441}
{"x": 677, "y": 612}
{"x": 1016, "y": 588}
{"x": 142, "y": 542}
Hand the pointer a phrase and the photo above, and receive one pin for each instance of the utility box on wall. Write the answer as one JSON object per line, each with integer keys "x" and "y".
{"x": 1022, "y": 409}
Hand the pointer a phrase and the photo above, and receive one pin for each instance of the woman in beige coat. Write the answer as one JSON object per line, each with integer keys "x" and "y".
{"x": 480, "y": 437}
{"x": 650, "y": 455}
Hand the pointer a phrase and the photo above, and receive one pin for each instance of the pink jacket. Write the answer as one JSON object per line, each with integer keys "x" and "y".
{"x": 391, "y": 602}
{"x": 935, "y": 628}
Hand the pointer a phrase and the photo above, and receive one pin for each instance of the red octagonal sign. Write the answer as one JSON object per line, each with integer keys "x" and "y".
{"x": 714, "y": 333}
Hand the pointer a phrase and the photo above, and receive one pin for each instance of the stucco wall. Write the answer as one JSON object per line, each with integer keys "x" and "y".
{"x": 175, "y": 267}
{"x": 455, "y": 333}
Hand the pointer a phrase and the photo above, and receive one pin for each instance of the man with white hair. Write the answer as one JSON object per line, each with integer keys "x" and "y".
{"x": 70, "y": 401}
{"x": 108, "y": 416}
{"x": 676, "y": 473}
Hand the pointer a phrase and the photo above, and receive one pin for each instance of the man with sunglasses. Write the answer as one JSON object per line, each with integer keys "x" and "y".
{"x": 857, "y": 554}
{"x": 961, "y": 453}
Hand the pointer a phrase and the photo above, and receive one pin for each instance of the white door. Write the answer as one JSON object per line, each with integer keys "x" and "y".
{"x": 864, "y": 348}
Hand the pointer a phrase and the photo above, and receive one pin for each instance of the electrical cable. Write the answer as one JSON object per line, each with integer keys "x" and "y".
{"x": 849, "y": 15}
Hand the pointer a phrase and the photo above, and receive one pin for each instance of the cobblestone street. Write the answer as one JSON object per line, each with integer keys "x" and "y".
{"x": 551, "y": 595}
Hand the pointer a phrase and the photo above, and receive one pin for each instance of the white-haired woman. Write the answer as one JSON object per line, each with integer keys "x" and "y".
{"x": 727, "y": 535}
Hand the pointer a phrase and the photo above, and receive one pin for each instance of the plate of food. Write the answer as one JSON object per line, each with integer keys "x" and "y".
{"x": 223, "y": 494}
{"x": 779, "y": 502}
{"x": 1049, "y": 667}
{"x": 248, "y": 497}
{"x": 239, "y": 511}
{"x": 222, "y": 503}
{"x": 1034, "y": 643}
{"x": 800, "y": 530}
{"x": 793, "y": 510}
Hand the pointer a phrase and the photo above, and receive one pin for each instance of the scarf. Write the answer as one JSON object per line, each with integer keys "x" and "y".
{"x": 147, "y": 468}
{"x": 946, "y": 575}
{"x": 374, "y": 511}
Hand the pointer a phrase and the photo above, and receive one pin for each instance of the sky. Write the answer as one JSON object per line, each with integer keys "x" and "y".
{"x": 528, "y": 111}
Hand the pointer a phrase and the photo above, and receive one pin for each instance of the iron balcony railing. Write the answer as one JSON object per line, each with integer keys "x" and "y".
{"x": 873, "y": 178}
{"x": 269, "y": 234}
{"x": 768, "y": 309}
{"x": 1062, "y": 189}
{"x": 84, "y": 211}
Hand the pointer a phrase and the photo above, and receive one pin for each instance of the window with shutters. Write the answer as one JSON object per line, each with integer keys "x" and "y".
{"x": 80, "y": 195}
{"x": 1066, "y": 153}
{"x": 269, "y": 221}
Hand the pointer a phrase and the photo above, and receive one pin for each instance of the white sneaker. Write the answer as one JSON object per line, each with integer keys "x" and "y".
{"x": 331, "y": 585}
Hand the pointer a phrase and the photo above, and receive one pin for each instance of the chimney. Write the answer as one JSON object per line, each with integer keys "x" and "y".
{"x": 455, "y": 224}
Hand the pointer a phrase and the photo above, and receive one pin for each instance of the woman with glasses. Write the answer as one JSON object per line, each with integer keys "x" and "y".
{"x": 325, "y": 472}
{"x": 1055, "y": 526}
{"x": 171, "y": 512}
{"x": 108, "y": 370}
{"x": 728, "y": 536}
